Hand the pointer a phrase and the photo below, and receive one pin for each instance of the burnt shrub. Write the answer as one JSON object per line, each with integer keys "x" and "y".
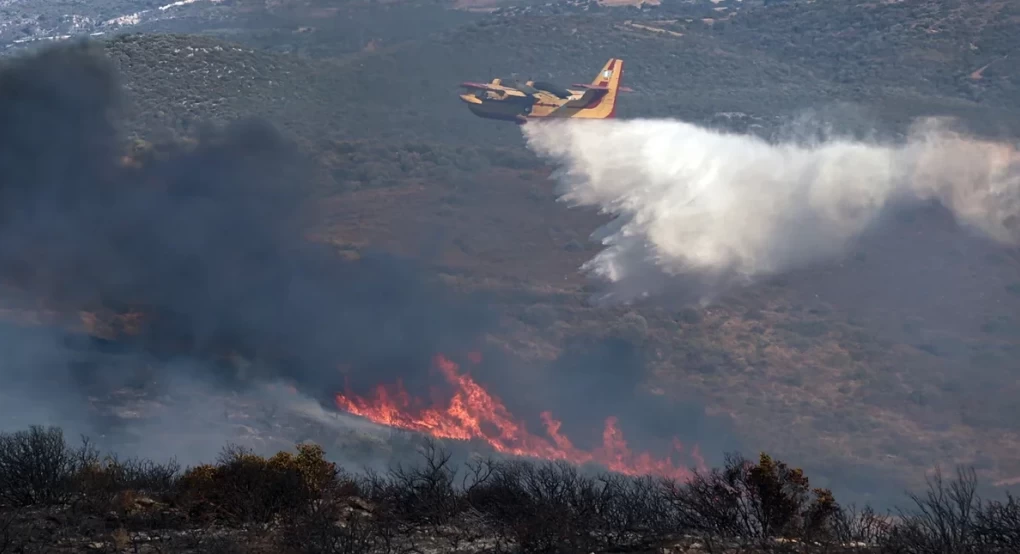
{"x": 950, "y": 517}
{"x": 131, "y": 488}
{"x": 560, "y": 507}
{"x": 997, "y": 525}
{"x": 300, "y": 502}
{"x": 538, "y": 507}
{"x": 6, "y": 535}
{"x": 339, "y": 521}
{"x": 36, "y": 467}
{"x": 754, "y": 501}
{"x": 425, "y": 493}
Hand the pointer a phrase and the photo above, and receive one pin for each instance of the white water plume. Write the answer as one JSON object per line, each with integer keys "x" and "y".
{"x": 715, "y": 209}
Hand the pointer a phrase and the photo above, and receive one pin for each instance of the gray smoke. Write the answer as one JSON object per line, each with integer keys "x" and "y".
{"x": 715, "y": 210}
{"x": 206, "y": 241}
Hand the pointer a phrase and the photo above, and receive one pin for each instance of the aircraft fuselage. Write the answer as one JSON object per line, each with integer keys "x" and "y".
{"x": 511, "y": 109}
{"x": 520, "y": 102}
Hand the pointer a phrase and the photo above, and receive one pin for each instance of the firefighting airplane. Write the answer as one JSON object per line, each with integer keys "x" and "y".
{"x": 537, "y": 99}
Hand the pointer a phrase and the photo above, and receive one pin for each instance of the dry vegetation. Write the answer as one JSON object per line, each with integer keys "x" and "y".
{"x": 406, "y": 169}
{"x": 811, "y": 377}
{"x": 58, "y": 498}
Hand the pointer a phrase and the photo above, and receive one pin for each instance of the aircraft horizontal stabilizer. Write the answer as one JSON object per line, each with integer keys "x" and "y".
{"x": 593, "y": 87}
{"x": 590, "y": 97}
{"x": 493, "y": 88}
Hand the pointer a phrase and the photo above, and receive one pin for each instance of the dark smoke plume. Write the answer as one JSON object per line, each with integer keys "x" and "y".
{"x": 204, "y": 240}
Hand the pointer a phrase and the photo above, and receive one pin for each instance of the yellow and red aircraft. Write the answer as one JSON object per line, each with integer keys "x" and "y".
{"x": 537, "y": 99}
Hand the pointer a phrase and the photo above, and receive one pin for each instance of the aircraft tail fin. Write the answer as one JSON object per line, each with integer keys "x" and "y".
{"x": 599, "y": 100}
{"x": 610, "y": 74}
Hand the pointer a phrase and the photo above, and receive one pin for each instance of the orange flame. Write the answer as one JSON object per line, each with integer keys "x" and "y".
{"x": 472, "y": 413}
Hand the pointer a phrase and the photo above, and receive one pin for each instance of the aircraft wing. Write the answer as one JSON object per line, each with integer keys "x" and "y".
{"x": 479, "y": 86}
{"x": 489, "y": 87}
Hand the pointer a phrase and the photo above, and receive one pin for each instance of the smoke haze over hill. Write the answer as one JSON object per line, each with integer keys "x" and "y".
{"x": 204, "y": 243}
{"x": 200, "y": 252}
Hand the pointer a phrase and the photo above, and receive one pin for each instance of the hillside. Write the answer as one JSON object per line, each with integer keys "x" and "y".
{"x": 304, "y": 27}
{"x": 851, "y": 369}
{"x": 701, "y": 70}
